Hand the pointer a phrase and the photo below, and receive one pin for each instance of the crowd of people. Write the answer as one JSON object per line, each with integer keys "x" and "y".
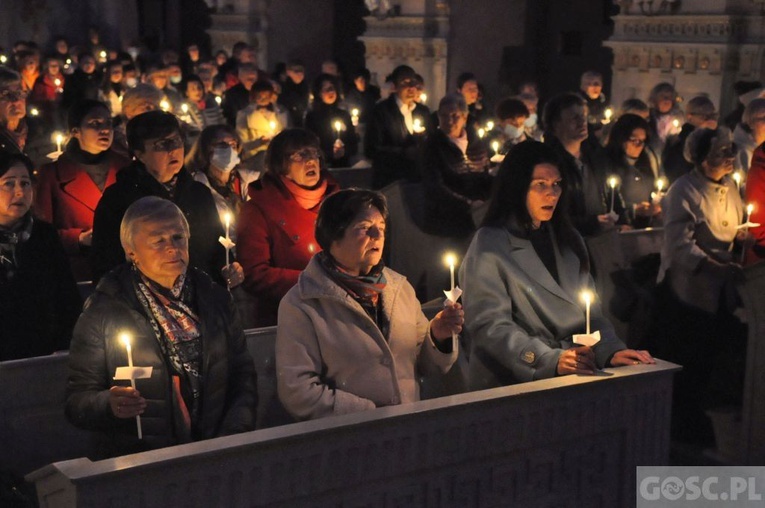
{"x": 178, "y": 177}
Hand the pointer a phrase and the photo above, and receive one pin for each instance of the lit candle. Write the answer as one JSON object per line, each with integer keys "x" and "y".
{"x": 59, "y": 140}
{"x": 489, "y": 125}
{"x": 34, "y": 112}
{"x": 57, "y": 82}
{"x": 3, "y": 59}
{"x": 185, "y": 107}
{"x": 660, "y": 182}
{"x": 164, "y": 105}
{"x": 125, "y": 338}
{"x": 218, "y": 99}
{"x": 451, "y": 260}
{"x": 737, "y": 179}
{"x": 103, "y": 56}
{"x": 495, "y": 147}
{"x": 587, "y": 297}
{"x": 338, "y": 127}
{"x": 272, "y": 126}
{"x": 355, "y": 116}
{"x": 612, "y": 183}
{"x": 747, "y": 216}
{"x": 481, "y": 133}
{"x": 608, "y": 113}
{"x": 417, "y": 125}
{"x": 676, "y": 123}
{"x": 423, "y": 97}
{"x": 227, "y": 218}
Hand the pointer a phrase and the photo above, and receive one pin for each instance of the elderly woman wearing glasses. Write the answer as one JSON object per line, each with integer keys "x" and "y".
{"x": 13, "y": 109}
{"x": 156, "y": 140}
{"x": 180, "y": 324}
{"x": 276, "y": 226}
{"x": 632, "y": 161}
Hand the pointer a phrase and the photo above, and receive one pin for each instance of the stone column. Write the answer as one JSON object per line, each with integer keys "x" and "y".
{"x": 413, "y": 34}
{"x": 699, "y": 46}
{"x": 241, "y": 20}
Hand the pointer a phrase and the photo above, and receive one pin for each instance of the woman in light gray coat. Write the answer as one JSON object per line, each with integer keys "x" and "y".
{"x": 351, "y": 334}
{"x": 522, "y": 277}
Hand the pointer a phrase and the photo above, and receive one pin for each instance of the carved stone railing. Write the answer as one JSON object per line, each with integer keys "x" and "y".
{"x": 568, "y": 441}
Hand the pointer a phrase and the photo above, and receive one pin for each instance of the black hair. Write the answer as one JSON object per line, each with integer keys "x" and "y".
{"x": 464, "y": 78}
{"x": 81, "y": 109}
{"x": 555, "y": 107}
{"x": 10, "y": 159}
{"x": 339, "y": 209}
{"x": 362, "y": 72}
{"x": 511, "y": 108}
{"x": 284, "y": 145}
{"x": 401, "y": 72}
{"x": 511, "y": 187}
{"x": 188, "y": 79}
{"x": 317, "y": 85}
{"x": 261, "y": 85}
{"x": 151, "y": 125}
{"x": 621, "y": 132}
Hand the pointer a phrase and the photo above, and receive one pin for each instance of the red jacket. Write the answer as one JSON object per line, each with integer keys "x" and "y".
{"x": 67, "y": 198}
{"x": 755, "y": 194}
{"x": 45, "y": 89}
{"x": 275, "y": 241}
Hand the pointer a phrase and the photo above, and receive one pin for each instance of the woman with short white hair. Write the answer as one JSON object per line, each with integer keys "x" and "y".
{"x": 180, "y": 323}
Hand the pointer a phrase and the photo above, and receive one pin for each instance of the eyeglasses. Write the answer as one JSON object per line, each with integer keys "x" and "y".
{"x": 306, "y": 155}
{"x": 168, "y": 144}
{"x": 13, "y": 95}
{"x": 636, "y": 142}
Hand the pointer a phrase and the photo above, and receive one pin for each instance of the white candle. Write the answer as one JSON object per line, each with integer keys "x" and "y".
{"x": 660, "y": 184}
{"x": 59, "y": 140}
{"x": 355, "y": 116}
{"x": 338, "y": 127}
{"x": 495, "y": 147}
{"x": 185, "y": 107}
{"x": 125, "y": 338}
{"x": 737, "y": 179}
{"x": 227, "y": 218}
{"x": 587, "y": 297}
{"x": 608, "y": 114}
{"x": 451, "y": 260}
{"x": 612, "y": 183}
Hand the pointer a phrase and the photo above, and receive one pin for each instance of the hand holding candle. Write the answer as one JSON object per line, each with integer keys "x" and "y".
{"x": 417, "y": 126}
{"x": 589, "y": 338}
{"x": 454, "y": 292}
{"x": 338, "y": 128}
{"x": 126, "y": 401}
{"x": 226, "y": 242}
{"x": 612, "y": 182}
{"x": 355, "y": 117}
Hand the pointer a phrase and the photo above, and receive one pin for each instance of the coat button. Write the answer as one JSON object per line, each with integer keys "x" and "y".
{"x": 529, "y": 357}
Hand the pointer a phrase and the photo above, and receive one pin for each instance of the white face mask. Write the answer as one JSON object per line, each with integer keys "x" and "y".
{"x": 513, "y": 132}
{"x": 224, "y": 159}
{"x": 176, "y": 79}
{"x": 531, "y": 121}
{"x": 131, "y": 82}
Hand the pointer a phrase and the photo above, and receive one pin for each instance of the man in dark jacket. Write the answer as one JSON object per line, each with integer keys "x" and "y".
{"x": 155, "y": 138}
{"x": 396, "y": 131}
{"x": 295, "y": 93}
{"x": 176, "y": 321}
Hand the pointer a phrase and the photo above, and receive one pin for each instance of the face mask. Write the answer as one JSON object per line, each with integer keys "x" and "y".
{"x": 176, "y": 79}
{"x": 513, "y": 132}
{"x": 131, "y": 82}
{"x": 531, "y": 121}
{"x": 224, "y": 159}
{"x": 133, "y": 52}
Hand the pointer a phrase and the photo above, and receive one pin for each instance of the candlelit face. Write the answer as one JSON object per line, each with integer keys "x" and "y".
{"x": 95, "y": 133}
{"x": 54, "y": 67}
{"x": 572, "y": 125}
{"x": 87, "y": 64}
{"x": 361, "y": 83}
{"x": 160, "y": 250}
{"x": 362, "y": 244}
{"x": 469, "y": 91}
{"x": 194, "y": 91}
{"x": 719, "y": 162}
{"x": 263, "y": 98}
{"x": 15, "y": 195}
{"x": 328, "y": 93}
{"x": 544, "y": 192}
{"x": 452, "y": 120}
{"x": 635, "y": 144}
{"x": 592, "y": 86}
{"x": 304, "y": 167}
{"x": 664, "y": 102}
{"x": 297, "y": 74}
{"x": 13, "y": 103}
{"x": 406, "y": 89}
{"x": 115, "y": 74}
{"x": 163, "y": 157}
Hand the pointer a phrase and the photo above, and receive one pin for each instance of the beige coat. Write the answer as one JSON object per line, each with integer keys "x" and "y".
{"x": 331, "y": 358}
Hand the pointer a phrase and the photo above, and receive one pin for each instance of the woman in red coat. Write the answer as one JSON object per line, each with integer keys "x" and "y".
{"x": 275, "y": 234}
{"x": 69, "y": 189}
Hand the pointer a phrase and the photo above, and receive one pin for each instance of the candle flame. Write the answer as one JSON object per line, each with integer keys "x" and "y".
{"x": 125, "y": 339}
{"x": 450, "y": 259}
{"x": 737, "y": 177}
{"x": 34, "y": 112}
{"x": 489, "y": 125}
{"x": 59, "y": 138}
{"x": 660, "y": 184}
{"x": 338, "y": 125}
{"x": 612, "y": 182}
{"x": 417, "y": 124}
{"x": 676, "y": 123}
{"x": 3, "y": 58}
{"x": 103, "y": 54}
{"x": 164, "y": 105}
{"x": 355, "y": 112}
{"x": 749, "y": 208}
{"x": 185, "y": 108}
{"x": 423, "y": 97}
{"x": 272, "y": 125}
{"x": 227, "y": 218}
{"x": 587, "y": 296}
{"x": 495, "y": 146}
{"x": 481, "y": 133}
{"x": 609, "y": 113}
{"x": 218, "y": 99}
{"x": 57, "y": 82}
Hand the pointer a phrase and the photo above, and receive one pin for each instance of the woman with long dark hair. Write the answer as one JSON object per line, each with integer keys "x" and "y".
{"x": 338, "y": 145}
{"x": 523, "y": 275}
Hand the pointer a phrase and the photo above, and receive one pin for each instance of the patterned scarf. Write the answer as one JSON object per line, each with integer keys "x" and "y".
{"x": 9, "y": 242}
{"x": 176, "y": 327}
{"x": 365, "y": 289}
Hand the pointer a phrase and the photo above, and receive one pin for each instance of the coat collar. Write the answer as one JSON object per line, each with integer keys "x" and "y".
{"x": 77, "y": 184}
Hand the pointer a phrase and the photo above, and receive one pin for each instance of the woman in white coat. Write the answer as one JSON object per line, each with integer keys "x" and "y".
{"x": 522, "y": 278}
{"x": 351, "y": 333}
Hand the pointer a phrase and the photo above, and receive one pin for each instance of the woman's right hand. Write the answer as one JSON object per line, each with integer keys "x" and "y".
{"x": 126, "y": 402}
{"x": 86, "y": 238}
{"x": 577, "y": 360}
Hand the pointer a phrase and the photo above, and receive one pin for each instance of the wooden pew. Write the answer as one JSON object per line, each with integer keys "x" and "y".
{"x": 567, "y": 441}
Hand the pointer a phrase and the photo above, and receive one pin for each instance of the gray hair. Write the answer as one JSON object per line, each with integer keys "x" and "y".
{"x": 8, "y": 76}
{"x": 453, "y": 99}
{"x": 149, "y": 209}
{"x": 755, "y": 106}
{"x": 139, "y": 93}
